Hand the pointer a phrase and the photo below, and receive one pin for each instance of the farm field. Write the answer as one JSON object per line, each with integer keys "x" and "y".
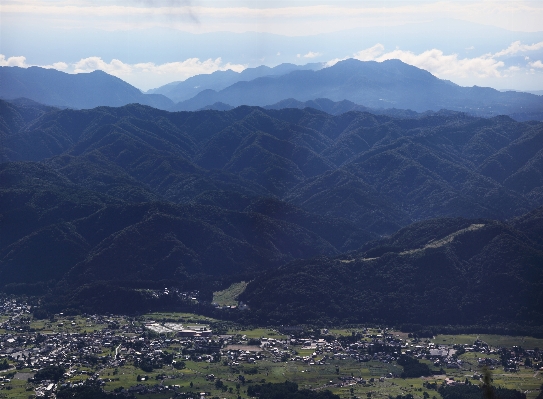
{"x": 493, "y": 340}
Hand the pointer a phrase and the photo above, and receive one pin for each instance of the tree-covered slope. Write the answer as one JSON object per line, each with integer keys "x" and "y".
{"x": 437, "y": 272}
{"x": 136, "y": 196}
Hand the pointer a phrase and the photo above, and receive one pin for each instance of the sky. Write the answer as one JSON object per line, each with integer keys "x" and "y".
{"x": 149, "y": 43}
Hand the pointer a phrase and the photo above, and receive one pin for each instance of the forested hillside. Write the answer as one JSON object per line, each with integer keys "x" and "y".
{"x": 436, "y": 272}
{"x": 138, "y": 196}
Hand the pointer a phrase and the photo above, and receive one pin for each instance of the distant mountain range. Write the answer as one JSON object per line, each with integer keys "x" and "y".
{"x": 138, "y": 197}
{"x": 325, "y": 105}
{"x": 389, "y": 84}
{"x": 368, "y": 85}
{"x": 79, "y": 91}
{"x": 219, "y": 80}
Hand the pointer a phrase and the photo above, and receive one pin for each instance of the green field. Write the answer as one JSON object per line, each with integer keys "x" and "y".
{"x": 507, "y": 341}
{"x": 258, "y": 333}
{"x": 64, "y": 324}
{"x": 228, "y": 297}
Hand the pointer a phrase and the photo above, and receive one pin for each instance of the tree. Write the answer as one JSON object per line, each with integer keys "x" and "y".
{"x": 178, "y": 365}
{"x": 51, "y": 373}
{"x": 4, "y": 365}
{"x": 488, "y": 392}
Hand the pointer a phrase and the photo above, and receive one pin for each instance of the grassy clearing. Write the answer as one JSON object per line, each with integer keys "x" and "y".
{"x": 492, "y": 340}
{"x": 228, "y": 297}
{"x": 258, "y": 333}
{"x": 68, "y": 325}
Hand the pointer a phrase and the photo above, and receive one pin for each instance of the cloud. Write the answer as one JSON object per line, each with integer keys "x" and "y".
{"x": 299, "y": 18}
{"x": 371, "y": 53}
{"x": 443, "y": 65}
{"x": 186, "y": 5}
{"x": 115, "y": 67}
{"x": 517, "y": 47}
{"x": 449, "y": 65}
{"x": 145, "y": 75}
{"x": 311, "y": 54}
{"x": 61, "y": 66}
{"x": 13, "y": 61}
{"x": 183, "y": 69}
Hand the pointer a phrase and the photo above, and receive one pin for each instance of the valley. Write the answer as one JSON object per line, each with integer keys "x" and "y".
{"x": 142, "y": 359}
{"x": 296, "y": 247}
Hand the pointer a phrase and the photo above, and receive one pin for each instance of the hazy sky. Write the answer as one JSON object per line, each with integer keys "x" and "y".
{"x": 152, "y": 42}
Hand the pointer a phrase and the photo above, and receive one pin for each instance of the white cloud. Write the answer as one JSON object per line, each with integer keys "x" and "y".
{"x": 20, "y": 61}
{"x": 450, "y": 65}
{"x": 311, "y": 54}
{"x": 334, "y": 61}
{"x": 298, "y": 18}
{"x": 371, "y": 53}
{"x": 61, "y": 66}
{"x": 115, "y": 67}
{"x": 444, "y": 66}
{"x": 144, "y": 75}
{"x": 13, "y": 61}
{"x": 147, "y": 75}
{"x": 517, "y": 47}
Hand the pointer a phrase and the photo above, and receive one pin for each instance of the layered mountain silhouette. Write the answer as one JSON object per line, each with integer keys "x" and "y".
{"x": 387, "y": 84}
{"x": 391, "y": 87}
{"x": 181, "y": 91}
{"x": 82, "y": 90}
{"x": 138, "y": 196}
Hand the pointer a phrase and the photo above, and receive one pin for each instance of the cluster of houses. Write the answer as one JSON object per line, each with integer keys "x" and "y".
{"x": 179, "y": 329}
{"x": 13, "y": 307}
{"x": 240, "y": 306}
{"x": 114, "y": 341}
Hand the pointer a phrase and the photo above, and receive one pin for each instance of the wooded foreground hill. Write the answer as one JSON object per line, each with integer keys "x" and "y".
{"x": 436, "y": 272}
{"x": 140, "y": 197}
